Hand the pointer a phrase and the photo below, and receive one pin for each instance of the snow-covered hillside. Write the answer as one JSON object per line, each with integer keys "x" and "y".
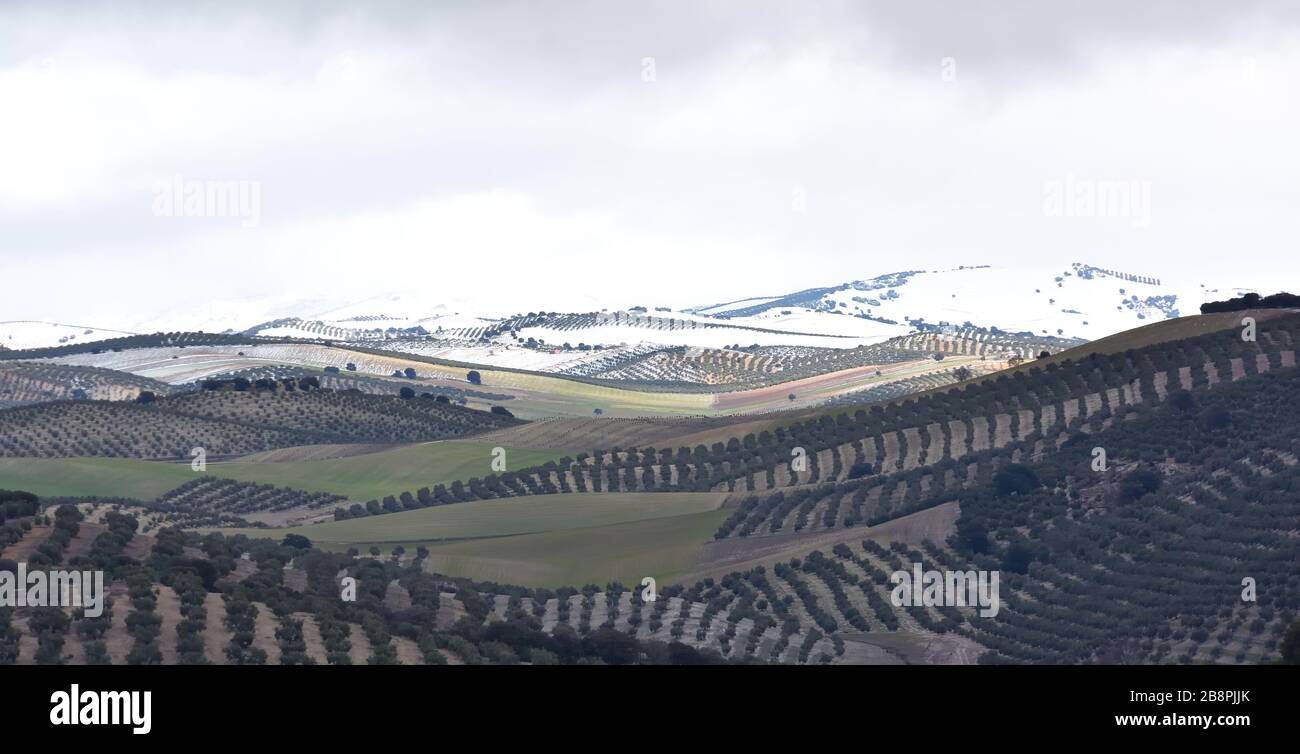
{"x": 19, "y": 335}
{"x": 1073, "y": 301}
{"x": 1077, "y": 301}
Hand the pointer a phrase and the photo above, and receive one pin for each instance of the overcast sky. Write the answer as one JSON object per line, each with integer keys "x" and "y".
{"x": 641, "y": 152}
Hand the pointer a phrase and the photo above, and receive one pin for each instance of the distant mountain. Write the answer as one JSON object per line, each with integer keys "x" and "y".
{"x": 1075, "y": 301}
{"x": 1071, "y": 301}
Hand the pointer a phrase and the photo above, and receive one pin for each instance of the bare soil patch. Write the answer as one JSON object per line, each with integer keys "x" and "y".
{"x": 79, "y": 546}
{"x": 408, "y": 652}
{"x": 360, "y": 652}
{"x": 396, "y": 597}
{"x": 21, "y": 550}
{"x": 264, "y": 633}
{"x": 27, "y": 643}
{"x": 169, "y": 610}
{"x": 117, "y": 640}
{"x": 139, "y": 547}
{"x": 312, "y": 638}
{"x": 215, "y": 634}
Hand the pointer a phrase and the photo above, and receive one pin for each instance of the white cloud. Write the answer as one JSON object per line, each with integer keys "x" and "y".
{"x": 87, "y": 131}
{"x": 518, "y": 153}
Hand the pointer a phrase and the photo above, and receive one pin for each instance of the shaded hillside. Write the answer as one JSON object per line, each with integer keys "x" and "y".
{"x": 1146, "y": 560}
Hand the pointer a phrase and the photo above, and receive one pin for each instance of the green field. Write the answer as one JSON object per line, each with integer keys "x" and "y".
{"x": 496, "y": 518}
{"x": 389, "y": 472}
{"x": 91, "y": 477}
{"x": 662, "y": 548}
{"x": 550, "y": 540}
{"x": 363, "y": 477}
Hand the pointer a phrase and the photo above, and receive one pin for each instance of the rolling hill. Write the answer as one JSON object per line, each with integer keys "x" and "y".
{"x": 24, "y": 382}
{"x": 231, "y": 422}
